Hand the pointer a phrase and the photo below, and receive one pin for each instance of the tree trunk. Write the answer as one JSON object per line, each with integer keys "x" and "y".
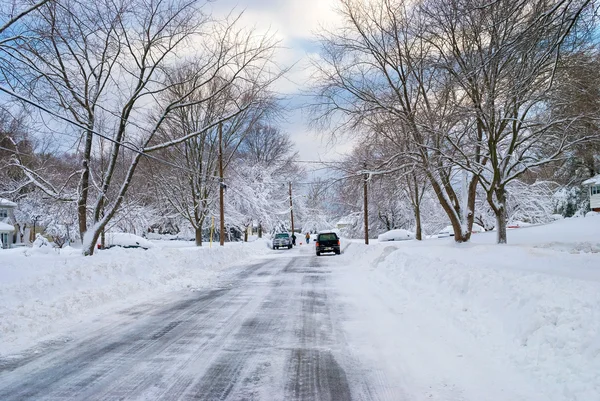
{"x": 259, "y": 230}
{"x": 82, "y": 202}
{"x": 246, "y": 234}
{"x": 419, "y": 234}
{"x": 199, "y": 236}
{"x": 451, "y": 212}
{"x": 501, "y": 215}
{"x": 472, "y": 197}
{"x": 417, "y": 207}
{"x": 84, "y": 184}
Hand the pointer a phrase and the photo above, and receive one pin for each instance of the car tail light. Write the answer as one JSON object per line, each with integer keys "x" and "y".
{"x": 317, "y": 243}
{"x": 338, "y": 242}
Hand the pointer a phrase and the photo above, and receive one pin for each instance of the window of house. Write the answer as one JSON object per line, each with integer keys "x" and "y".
{"x": 4, "y": 239}
{"x": 3, "y": 213}
{"x": 595, "y": 189}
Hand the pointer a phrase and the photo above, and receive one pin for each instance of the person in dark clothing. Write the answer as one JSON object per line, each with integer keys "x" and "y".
{"x": 307, "y": 236}
{"x": 293, "y": 239}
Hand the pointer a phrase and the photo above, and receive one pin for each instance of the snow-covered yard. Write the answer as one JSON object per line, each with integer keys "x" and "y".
{"x": 519, "y": 321}
{"x": 43, "y": 291}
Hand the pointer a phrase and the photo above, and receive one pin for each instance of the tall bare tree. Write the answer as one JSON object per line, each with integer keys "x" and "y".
{"x": 190, "y": 188}
{"x": 378, "y": 68}
{"x": 502, "y": 58}
{"x": 107, "y": 65}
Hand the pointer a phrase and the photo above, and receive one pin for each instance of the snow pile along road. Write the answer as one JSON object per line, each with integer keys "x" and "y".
{"x": 526, "y": 315}
{"x": 43, "y": 291}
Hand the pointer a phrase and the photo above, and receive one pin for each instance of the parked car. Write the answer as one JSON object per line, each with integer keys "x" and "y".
{"x": 477, "y": 229}
{"x": 327, "y": 241}
{"x": 282, "y": 240}
{"x": 448, "y": 231}
{"x": 125, "y": 240}
{"x": 396, "y": 235}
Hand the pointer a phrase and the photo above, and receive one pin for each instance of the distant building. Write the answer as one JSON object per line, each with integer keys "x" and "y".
{"x": 594, "y": 190}
{"x": 7, "y": 216}
{"x": 346, "y": 221}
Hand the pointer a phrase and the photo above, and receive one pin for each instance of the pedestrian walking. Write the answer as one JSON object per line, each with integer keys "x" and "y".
{"x": 307, "y": 238}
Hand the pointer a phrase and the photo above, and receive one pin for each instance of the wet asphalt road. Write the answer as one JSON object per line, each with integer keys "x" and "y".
{"x": 272, "y": 333}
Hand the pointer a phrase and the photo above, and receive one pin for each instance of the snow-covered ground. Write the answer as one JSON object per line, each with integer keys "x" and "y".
{"x": 481, "y": 321}
{"x": 429, "y": 320}
{"x": 43, "y": 292}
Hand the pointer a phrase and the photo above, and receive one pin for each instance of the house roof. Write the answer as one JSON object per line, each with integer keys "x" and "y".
{"x": 6, "y": 227}
{"x": 347, "y": 220}
{"x": 7, "y": 203}
{"x": 592, "y": 181}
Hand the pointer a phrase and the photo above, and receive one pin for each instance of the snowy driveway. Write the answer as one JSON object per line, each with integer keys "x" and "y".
{"x": 271, "y": 333}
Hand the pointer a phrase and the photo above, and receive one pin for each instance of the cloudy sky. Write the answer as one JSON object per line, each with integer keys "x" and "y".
{"x": 294, "y": 22}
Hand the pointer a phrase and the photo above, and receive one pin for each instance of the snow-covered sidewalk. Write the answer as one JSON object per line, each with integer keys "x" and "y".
{"x": 43, "y": 292}
{"x": 480, "y": 321}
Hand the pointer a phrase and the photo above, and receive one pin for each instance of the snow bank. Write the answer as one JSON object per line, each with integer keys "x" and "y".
{"x": 533, "y": 305}
{"x": 41, "y": 292}
{"x": 567, "y": 231}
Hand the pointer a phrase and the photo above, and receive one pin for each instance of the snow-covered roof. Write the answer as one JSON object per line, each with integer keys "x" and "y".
{"x": 331, "y": 231}
{"x": 6, "y": 227}
{"x": 348, "y": 220}
{"x": 7, "y": 203}
{"x": 592, "y": 181}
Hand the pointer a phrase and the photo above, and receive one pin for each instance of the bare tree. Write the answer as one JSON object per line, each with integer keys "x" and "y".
{"x": 133, "y": 48}
{"x": 11, "y": 13}
{"x": 502, "y": 58}
{"x": 377, "y": 70}
{"x": 266, "y": 144}
{"x": 190, "y": 188}
{"x": 576, "y": 94}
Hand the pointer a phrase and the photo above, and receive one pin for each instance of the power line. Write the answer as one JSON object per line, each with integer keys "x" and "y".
{"x": 134, "y": 149}
{"x": 123, "y": 144}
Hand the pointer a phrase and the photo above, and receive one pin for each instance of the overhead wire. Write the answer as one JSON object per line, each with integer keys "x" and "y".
{"x": 126, "y": 145}
{"x": 131, "y": 147}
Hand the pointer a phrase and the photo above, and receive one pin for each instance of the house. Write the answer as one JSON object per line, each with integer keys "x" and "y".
{"x": 6, "y": 228}
{"x": 346, "y": 221}
{"x": 594, "y": 190}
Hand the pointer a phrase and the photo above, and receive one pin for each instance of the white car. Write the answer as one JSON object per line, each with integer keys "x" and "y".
{"x": 448, "y": 231}
{"x": 396, "y": 235}
{"x": 125, "y": 240}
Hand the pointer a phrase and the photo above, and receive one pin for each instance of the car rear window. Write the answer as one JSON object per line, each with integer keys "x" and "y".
{"x": 282, "y": 236}
{"x": 328, "y": 237}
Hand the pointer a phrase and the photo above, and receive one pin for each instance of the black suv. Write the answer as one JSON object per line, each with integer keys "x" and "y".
{"x": 328, "y": 242}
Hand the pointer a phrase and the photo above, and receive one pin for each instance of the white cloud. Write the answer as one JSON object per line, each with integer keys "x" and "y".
{"x": 294, "y": 22}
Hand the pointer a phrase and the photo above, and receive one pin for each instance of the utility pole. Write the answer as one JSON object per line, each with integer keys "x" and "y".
{"x": 366, "y": 205}
{"x": 221, "y": 185}
{"x": 291, "y": 208}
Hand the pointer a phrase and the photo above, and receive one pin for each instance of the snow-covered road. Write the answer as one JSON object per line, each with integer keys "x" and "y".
{"x": 274, "y": 332}
{"x": 388, "y": 321}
